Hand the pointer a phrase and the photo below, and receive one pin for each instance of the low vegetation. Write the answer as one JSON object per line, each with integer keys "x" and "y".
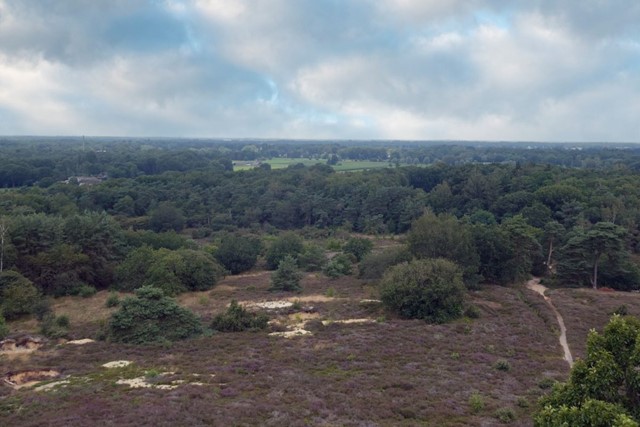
{"x": 238, "y": 319}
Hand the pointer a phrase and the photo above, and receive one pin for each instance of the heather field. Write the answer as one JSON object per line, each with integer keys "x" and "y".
{"x": 372, "y": 369}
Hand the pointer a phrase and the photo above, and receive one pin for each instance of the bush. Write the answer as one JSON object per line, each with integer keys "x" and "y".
{"x": 288, "y": 244}
{"x": 505, "y": 415}
{"x": 41, "y": 308}
{"x": 237, "y": 319}
{"x": 86, "y": 291}
{"x": 286, "y": 277}
{"x": 237, "y": 253}
{"x": 502, "y": 365}
{"x": 358, "y": 247}
{"x": 150, "y": 316}
{"x": 4, "y": 329}
{"x": 339, "y": 265}
{"x": 54, "y": 327}
{"x": 476, "y": 402}
{"x": 112, "y": 300}
{"x": 19, "y": 295}
{"x": 373, "y": 266}
{"x": 429, "y": 289}
{"x": 172, "y": 271}
{"x": 312, "y": 258}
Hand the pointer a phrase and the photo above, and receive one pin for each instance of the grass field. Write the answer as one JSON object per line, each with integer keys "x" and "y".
{"x": 381, "y": 371}
{"x": 281, "y": 163}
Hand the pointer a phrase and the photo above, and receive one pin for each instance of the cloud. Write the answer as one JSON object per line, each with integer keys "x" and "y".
{"x": 333, "y": 69}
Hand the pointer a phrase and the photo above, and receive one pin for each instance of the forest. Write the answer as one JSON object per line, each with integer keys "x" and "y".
{"x": 162, "y": 217}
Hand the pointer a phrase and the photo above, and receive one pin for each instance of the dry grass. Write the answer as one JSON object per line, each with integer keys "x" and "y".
{"x": 391, "y": 372}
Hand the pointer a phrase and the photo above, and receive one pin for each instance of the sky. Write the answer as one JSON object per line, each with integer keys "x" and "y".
{"x": 524, "y": 70}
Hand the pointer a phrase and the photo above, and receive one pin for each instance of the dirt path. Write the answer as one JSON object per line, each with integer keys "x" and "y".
{"x": 534, "y": 285}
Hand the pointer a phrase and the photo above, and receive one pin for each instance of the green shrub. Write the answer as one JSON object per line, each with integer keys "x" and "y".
{"x": 238, "y": 253}
{"x": 505, "y": 415}
{"x": 502, "y": 365}
{"x": 172, "y": 271}
{"x": 476, "y": 402}
{"x": 54, "y": 327}
{"x": 86, "y": 291}
{"x": 19, "y": 295}
{"x": 358, "y": 247}
{"x": 546, "y": 383}
{"x": 112, "y": 300}
{"x": 373, "y": 266}
{"x": 429, "y": 289}
{"x": 472, "y": 312}
{"x": 4, "y": 329}
{"x": 288, "y": 244}
{"x": 286, "y": 277}
{"x": 312, "y": 258}
{"x": 339, "y": 265}
{"x": 237, "y": 319}
{"x": 150, "y": 316}
{"x": 41, "y": 308}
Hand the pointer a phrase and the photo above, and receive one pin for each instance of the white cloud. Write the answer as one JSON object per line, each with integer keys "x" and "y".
{"x": 302, "y": 68}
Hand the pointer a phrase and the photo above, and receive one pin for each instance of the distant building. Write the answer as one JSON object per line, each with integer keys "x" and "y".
{"x": 86, "y": 180}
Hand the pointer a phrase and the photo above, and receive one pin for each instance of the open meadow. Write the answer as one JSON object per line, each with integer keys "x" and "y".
{"x": 355, "y": 365}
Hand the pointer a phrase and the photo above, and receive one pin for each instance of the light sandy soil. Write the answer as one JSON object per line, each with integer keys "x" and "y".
{"x": 534, "y": 285}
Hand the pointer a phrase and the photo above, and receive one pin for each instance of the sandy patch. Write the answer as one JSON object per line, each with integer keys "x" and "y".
{"x": 117, "y": 364}
{"x": 296, "y": 332}
{"x": 81, "y": 342}
{"x": 370, "y": 301}
{"x": 311, "y": 298}
{"x": 53, "y": 385}
{"x": 268, "y": 305}
{"x": 23, "y": 379}
{"x": 348, "y": 321}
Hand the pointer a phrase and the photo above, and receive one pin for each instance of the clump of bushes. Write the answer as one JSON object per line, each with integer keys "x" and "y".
{"x": 4, "y": 329}
{"x": 312, "y": 258}
{"x": 18, "y": 295}
{"x": 288, "y": 244}
{"x": 112, "y": 300}
{"x": 429, "y": 289}
{"x": 358, "y": 247}
{"x": 238, "y": 319}
{"x": 172, "y": 271}
{"x": 149, "y": 317}
{"x": 53, "y": 326}
{"x": 238, "y": 253}
{"x": 340, "y": 265}
{"x": 373, "y": 266}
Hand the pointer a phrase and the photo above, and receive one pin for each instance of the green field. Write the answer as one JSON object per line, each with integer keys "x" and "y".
{"x": 282, "y": 162}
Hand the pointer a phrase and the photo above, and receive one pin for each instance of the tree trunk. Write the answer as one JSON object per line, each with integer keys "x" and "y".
{"x": 549, "y": 256}
{"x": 594, "y": 278}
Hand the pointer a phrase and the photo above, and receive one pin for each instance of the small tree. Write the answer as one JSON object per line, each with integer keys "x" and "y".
{"x": 152, "y": 317}
{"x": 18, "y": 294}
{"x": 604, "y": 388}
{"x": 286, "y": 277}
{"x": 429, "y": 289}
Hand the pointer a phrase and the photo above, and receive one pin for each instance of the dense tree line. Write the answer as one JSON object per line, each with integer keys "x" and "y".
{"x": 500, "y": 222}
